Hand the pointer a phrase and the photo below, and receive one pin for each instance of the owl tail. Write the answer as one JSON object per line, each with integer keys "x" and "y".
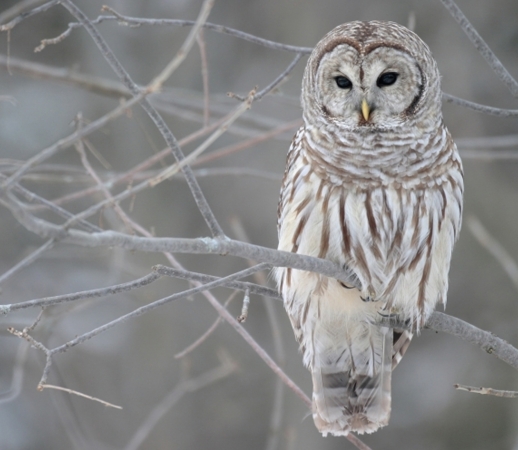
{"x": 351, "y": 382}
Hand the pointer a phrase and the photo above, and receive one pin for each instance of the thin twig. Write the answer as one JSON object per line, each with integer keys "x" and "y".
{"x": 30, "y": 258}
{"x": 225, "y": 151}
{"x": 244, "y": 310}
{"x": 485, "y": 142}
{"x": 132, "y": 173}
{"x": 489, "y": 155}
{"x": 190, "y": 158}
{"x": 18, "y": 8}
{"x": 93, "y": 293}
{"x": 90, "y": 170}
{"x": 36, "y": 321}
{"x": 200, "y": 39}
{"x": 32, "y": 197}
{"x": 494, "y": 247}
{"x": 207, "y": 333}
{"x": 280, "y": 79}
{"x": 270, "y": 87}
{"x": 204, "y": 278}
{"x": 79, "y": 394}
{"x": 487, "y": 391}
{"x": 127, "y": 20}
{"x": 157, "y": 119}
{"x": 151, "y": 306}
{"x": 170, "y": 100}
{"x": 499, "y": 112}
{"x": 38, "y": 345}
{"x": 26, "y": 14}
{"x": 159, "y": 80}
{"x": 66, "y": 142}
{"x": 238, "y": 171}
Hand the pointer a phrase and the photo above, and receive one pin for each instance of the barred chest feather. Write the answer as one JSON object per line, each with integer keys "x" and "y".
{"x": 397, "y": 240}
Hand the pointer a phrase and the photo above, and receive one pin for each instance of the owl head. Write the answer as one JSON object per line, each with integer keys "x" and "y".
{"x": 368, "y": 76}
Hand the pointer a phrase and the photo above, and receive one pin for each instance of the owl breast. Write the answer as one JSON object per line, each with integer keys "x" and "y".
{"x": 397, "y": 240}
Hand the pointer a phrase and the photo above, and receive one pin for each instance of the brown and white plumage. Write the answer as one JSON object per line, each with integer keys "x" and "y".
{"x": 373, "y": 182}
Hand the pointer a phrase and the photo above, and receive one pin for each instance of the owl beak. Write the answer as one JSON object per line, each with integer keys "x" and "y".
{"x": 365, "y": 109}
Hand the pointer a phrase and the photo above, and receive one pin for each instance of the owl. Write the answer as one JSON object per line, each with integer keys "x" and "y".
{"x": 374, "y": 183}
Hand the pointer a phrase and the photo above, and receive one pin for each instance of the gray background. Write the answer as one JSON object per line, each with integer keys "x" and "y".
{"x": 133, "y": 364}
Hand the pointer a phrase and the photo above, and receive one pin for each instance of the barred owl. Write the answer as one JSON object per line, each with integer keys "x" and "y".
{"x": 374, "y": 183}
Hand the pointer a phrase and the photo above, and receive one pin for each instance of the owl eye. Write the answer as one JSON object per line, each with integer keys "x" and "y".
{"x": 387, "y": 79}
{"x": 343, "y": 82}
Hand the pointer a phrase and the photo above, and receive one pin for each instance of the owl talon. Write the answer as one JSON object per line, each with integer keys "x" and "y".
{"x": 345, "y": 286}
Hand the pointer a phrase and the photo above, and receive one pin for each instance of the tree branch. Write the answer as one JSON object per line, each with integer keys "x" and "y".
{"x": 153, "y": 114}
{"x": 486, "y": 340}
{"x": 481, "y": 46}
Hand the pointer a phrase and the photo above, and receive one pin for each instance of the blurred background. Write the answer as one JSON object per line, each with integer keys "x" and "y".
{"x": 133, "y": 365}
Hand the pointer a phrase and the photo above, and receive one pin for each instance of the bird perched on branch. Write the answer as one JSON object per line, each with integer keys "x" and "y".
{"x": 374, "y": 183}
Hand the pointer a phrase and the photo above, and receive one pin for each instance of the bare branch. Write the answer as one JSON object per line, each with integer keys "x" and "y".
{"x": 207, "y": 333}
{"x": 484, "y": 339}
{"x": 244, "y": 310}
{"x": 248, "y": 143}
{"x": 32, "y": 197}
{"x": 79, "y": 394}
{"x": 158, "y": 81}
{"x": 211, "y": 246}
{"x": 137, "y": 21}
{"x": 489, "y": 155}
{"x": 157, "y": 119}
{"x": 35, "y": 344}
{"x": 480, "y": 108}
{"x": 488, "y": 142}
{"x": 205, "y": 76}
{"x": 280, "y": 79}
{"x": 203, "y": 278}
{"x": 179, "y": 245}
{"x": 151, "y": 306}
{"x": 189, "y": 159}
{"x": 101, "y": 86}
{"x": 31, "y": 257}
{"x": 26, "y": 14}
{"x": 93, "y": 293}
{"x": 66, "y": 142}
{"x": 18, "y": 8}
{"x": 481, "y": 46}
{"x": 487, "y": 391}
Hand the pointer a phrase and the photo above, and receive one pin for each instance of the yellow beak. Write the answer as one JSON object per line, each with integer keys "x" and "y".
{"x": 365, "y": 109}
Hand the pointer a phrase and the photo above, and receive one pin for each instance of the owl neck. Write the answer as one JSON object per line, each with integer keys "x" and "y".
{"x": 408, "y": 156}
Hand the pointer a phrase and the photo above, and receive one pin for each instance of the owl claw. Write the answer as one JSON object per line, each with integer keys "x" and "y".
{"x": 345, "y": 286}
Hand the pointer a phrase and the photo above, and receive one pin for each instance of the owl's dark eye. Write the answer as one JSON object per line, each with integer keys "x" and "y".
{"x": 387, "y": 79}
{"x": 343, "y": 82}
